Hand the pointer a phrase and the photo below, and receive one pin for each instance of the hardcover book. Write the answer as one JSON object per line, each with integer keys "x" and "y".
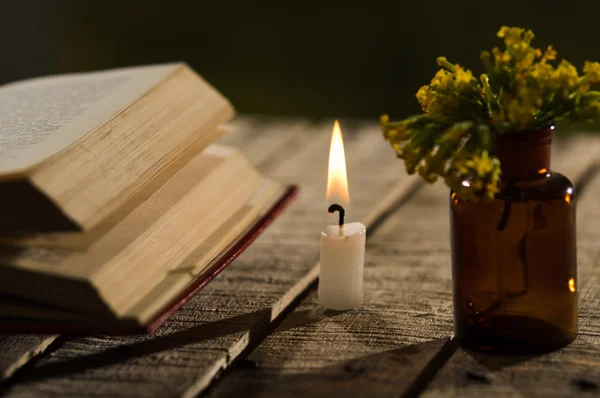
{"x": 117, "y": 204}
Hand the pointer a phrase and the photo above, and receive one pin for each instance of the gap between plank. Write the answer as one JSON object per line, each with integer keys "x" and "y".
{"x": 44, "y": 344}
{"x": 430, "y": 370}
{"x": 29, "y": 359}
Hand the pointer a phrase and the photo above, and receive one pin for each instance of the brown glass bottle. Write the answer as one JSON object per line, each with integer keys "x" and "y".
{"x": 514, "y": 257}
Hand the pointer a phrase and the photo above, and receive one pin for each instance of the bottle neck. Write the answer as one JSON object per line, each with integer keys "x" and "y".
{"x": 524, "y": 155}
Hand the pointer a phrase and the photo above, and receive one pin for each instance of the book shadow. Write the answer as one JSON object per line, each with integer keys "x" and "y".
{"x": 250, "y": 323}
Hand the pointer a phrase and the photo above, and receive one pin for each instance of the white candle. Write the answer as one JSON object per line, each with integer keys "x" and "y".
{"x": 342, "y": 245}
{"x": 341, "y": 272}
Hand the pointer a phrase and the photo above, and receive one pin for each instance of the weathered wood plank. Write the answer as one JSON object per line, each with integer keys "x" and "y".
{"x": 17, "y": 350}
{"x": 578, "y": 156}
{"x": 218, "y": 324}
{"x": 408, "y": 305}
{"x": 382, "y": 373}
{"x": 265, "y": 141}
{"x": 571, "y": 371}
{"x": 404, "y": 320}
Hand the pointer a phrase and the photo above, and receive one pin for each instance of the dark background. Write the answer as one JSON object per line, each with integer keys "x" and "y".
{"x": 328, "y": 58}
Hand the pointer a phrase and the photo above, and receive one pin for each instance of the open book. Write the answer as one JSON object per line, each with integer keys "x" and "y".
{"x": 120, "y": 207}
{"x": 75, "y": 148}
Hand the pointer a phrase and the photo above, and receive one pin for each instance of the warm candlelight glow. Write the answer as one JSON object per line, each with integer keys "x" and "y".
{"x": 337, "y": 181}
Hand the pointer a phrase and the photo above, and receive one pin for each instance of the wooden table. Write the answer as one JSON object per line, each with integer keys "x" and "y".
{"x": 258, "y": 330}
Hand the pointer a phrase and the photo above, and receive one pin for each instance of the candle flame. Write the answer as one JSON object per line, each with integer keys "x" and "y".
{"x": 337, "y": 181}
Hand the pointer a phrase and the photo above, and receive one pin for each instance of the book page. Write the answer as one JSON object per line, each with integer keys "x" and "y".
{"x": 41, "y": 116}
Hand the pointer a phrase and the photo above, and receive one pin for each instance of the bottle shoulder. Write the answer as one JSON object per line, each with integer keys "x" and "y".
{"x": 553, "y": 185}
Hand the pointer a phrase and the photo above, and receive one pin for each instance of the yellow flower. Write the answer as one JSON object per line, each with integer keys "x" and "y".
{"x": 521, "y": 90}
{"x": 510, "y": 33}
{"x": 427, "y": 175}
{"x": 497, "y": 55}
{"x": 520, "y": 114}
{"x": 463, "y": 77}
{"x": 520, "y": 110}
{"x": 482, "y": 165}
{"x": 477, "y": 177}
{"x": 592, "y": 71}
{"x": 442, "y": 80}
{"x": 460, "y": 167}
{"x": 442, "y": 104}
{"x": 391, "y": 134}
{"x": 542, "y": 72}
{"x": 514, "y": 35}
{"x": 492, "y": 188}
{"x": 444, "y": 63}
{"x": 525, "y": 63}
{"x": 425, "y": 96}
{"x": 549, "y": 55}
{"x": 565, "y": 76}
{"x": 529, "y": 96}
{"x": 502, "y": 32}
{"x": 476, "y": 185}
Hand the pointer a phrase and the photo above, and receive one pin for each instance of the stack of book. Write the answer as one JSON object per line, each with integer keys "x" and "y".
{"x": 116, "y": 204}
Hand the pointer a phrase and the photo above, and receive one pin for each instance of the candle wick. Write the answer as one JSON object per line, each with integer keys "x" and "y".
{"x": 332, "y": 209}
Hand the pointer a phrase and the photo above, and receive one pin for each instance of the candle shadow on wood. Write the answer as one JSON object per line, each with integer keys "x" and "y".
{"x": 333, "y": 313}
{"x": 383, "y": 374}
{"x": 317, "y": 313}
{"x": 302, "y": 318}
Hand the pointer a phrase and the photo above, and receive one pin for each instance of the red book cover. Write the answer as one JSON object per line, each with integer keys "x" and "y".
{"x": 79, "y": 328}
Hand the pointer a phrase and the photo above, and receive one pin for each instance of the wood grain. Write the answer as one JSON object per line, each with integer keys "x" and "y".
{"x": 408, "y": 306}
{"x": 405, "y": 319}
{"x": 385, "y": 346}
{"x": 16, "y": 351}
{"x": 184, "y": 356}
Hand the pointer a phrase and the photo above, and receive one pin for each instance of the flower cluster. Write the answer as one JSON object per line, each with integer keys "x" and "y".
{"x": 524, "y": 88}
